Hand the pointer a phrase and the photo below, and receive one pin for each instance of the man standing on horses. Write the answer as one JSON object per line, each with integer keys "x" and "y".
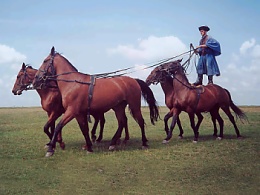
{"x": 208, "y": 48}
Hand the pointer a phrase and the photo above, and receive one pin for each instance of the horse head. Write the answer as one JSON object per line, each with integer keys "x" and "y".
{"x": 173, "y": 67}
{"x": 24, "y": 79}
{"x": 46, "y": 71}
{"x": 163, "y": 72}
{"x": 156, "y": 76}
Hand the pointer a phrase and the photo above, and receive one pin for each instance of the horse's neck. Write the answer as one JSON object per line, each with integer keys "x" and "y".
{"x": 63, "y": 65}
{"x": 180, "y": 83}
{"x": 43, "y": 93}
{"x": 47, "y": 93}
{"x": 167, "y": 88}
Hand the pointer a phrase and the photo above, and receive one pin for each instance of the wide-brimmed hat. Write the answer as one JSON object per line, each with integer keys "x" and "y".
{"x": 206, "y": 28}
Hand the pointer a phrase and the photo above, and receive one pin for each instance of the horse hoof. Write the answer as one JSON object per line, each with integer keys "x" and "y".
{"x": 219, "y": 138}
{"x": 62, "y": 145}
{"x": 239, "y": 137}
{"x": 194, "y": 141}
{"x": 180, "y": 137}
{"x": 144, "y": 147}
{"x": 46, "y": 146}
{"x": 111, "y": 148}
{"x": 89, "y": 152}
{"x": 49, "y": 154}
{"x": 165, "y": 141}
{"x": 84, "y": 147}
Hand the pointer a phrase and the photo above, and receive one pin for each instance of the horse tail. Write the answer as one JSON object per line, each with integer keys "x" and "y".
{"x": 239, "y": 113}
{"x": 150, "y": 99}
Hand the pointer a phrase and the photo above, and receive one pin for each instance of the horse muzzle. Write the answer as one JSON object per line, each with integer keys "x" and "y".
{"x": 17, "y": 92}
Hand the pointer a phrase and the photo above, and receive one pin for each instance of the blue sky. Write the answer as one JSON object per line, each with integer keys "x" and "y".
{"x": 102, "y": 36}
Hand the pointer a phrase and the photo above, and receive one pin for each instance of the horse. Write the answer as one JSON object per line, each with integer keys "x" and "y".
{"x": 83, "y": 94}
{"x": 166, "y": 81}
{"x": 50, "y": 99}
{"x": 51, "y": 102}
{"x": 194, "y": 100}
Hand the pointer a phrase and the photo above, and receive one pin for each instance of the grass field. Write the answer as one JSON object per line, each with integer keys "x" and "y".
{"x": 229, "y": 166}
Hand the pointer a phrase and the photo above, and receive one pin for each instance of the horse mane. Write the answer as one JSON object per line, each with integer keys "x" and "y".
{"x": 184, "y": 73}
{"x": 29, "y": 66}
{"x": 178, "y": 68}
{"x": 56, "y": 53}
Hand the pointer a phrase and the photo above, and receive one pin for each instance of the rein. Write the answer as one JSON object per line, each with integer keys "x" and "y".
{"x": 54, "y": 77}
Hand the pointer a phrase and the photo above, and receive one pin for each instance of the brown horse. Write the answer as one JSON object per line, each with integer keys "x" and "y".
{"x": 187, "y": 98}
{"x": 51, "y": 102}
{"x": 82, "y": 94}
{"x": 166, "y": 82}
{"x": 50, "y": 99}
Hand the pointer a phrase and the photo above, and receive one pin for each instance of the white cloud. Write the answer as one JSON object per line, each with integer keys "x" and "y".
{"x": 152, "y": 48}
{"x": 10, "y": 57}
{"x": 239, "y": 76}
{"x": 246, "y": 45}
{"x": 256, "y": 52}
{"x": 242, "y": 74}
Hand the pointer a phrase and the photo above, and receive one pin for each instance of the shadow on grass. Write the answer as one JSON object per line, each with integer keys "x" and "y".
{"x": 205, "y": 138}
{"x": 136, "y": 143}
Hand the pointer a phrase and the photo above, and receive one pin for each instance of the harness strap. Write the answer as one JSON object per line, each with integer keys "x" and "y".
{"x": 90, "y": 95}
{"x": 197, "y": 99}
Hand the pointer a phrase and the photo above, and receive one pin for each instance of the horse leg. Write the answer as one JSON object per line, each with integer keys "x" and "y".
{"x": 127, "y": 137}
{"x": 83, "y": 124}
{"x": 137, "y": 115}
{"x": 200, "y": 119}
{"x": 102, "y": 121}
{"x": 231, "y": 118}
{"x": 213, "y": 118}
{"x": 193, "y": 126}
{"x": 46, "y": 130}
{"x": 140, "y": 120}
{"x": 121, "y": 119}
{"x": 67, "y": 117}
{"x": 175, "y": 114}
{"x": 51, "y": 125}
{"x": 59, "y": 139}
{"x": 215, "y": 115}
{"x": 180, "y": 127}
{"x": 94, "y": 128}
{"x": 166, "y": 118}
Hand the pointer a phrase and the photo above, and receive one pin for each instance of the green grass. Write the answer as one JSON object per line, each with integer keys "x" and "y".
{"x": 229, "y": 166}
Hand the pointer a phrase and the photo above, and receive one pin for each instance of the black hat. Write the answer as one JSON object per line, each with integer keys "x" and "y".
{"x": 206, "y": 28}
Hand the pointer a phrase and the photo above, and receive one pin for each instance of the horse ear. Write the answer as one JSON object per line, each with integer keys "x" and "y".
{"x": 23, "y": 66}
{"x": 52, "y": 51}
{"x": 180, "y": 60}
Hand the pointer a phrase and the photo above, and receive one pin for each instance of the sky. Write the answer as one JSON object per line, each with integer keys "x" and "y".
{"x": 107, "y": 35}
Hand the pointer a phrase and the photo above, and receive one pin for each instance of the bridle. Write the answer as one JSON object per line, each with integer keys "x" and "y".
{"x": 47, "y": 75}
{"x": 22, "y": 78}
{"x": 169, "y": 72}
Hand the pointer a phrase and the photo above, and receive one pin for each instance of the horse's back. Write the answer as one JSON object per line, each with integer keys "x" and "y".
{"x": 218, "y": 93}
{"x": 111, "y": 91}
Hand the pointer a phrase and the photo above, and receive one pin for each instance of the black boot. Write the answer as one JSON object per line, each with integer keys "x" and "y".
{"x": 210, "y": 79}
{"x": 199, "y": 80}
